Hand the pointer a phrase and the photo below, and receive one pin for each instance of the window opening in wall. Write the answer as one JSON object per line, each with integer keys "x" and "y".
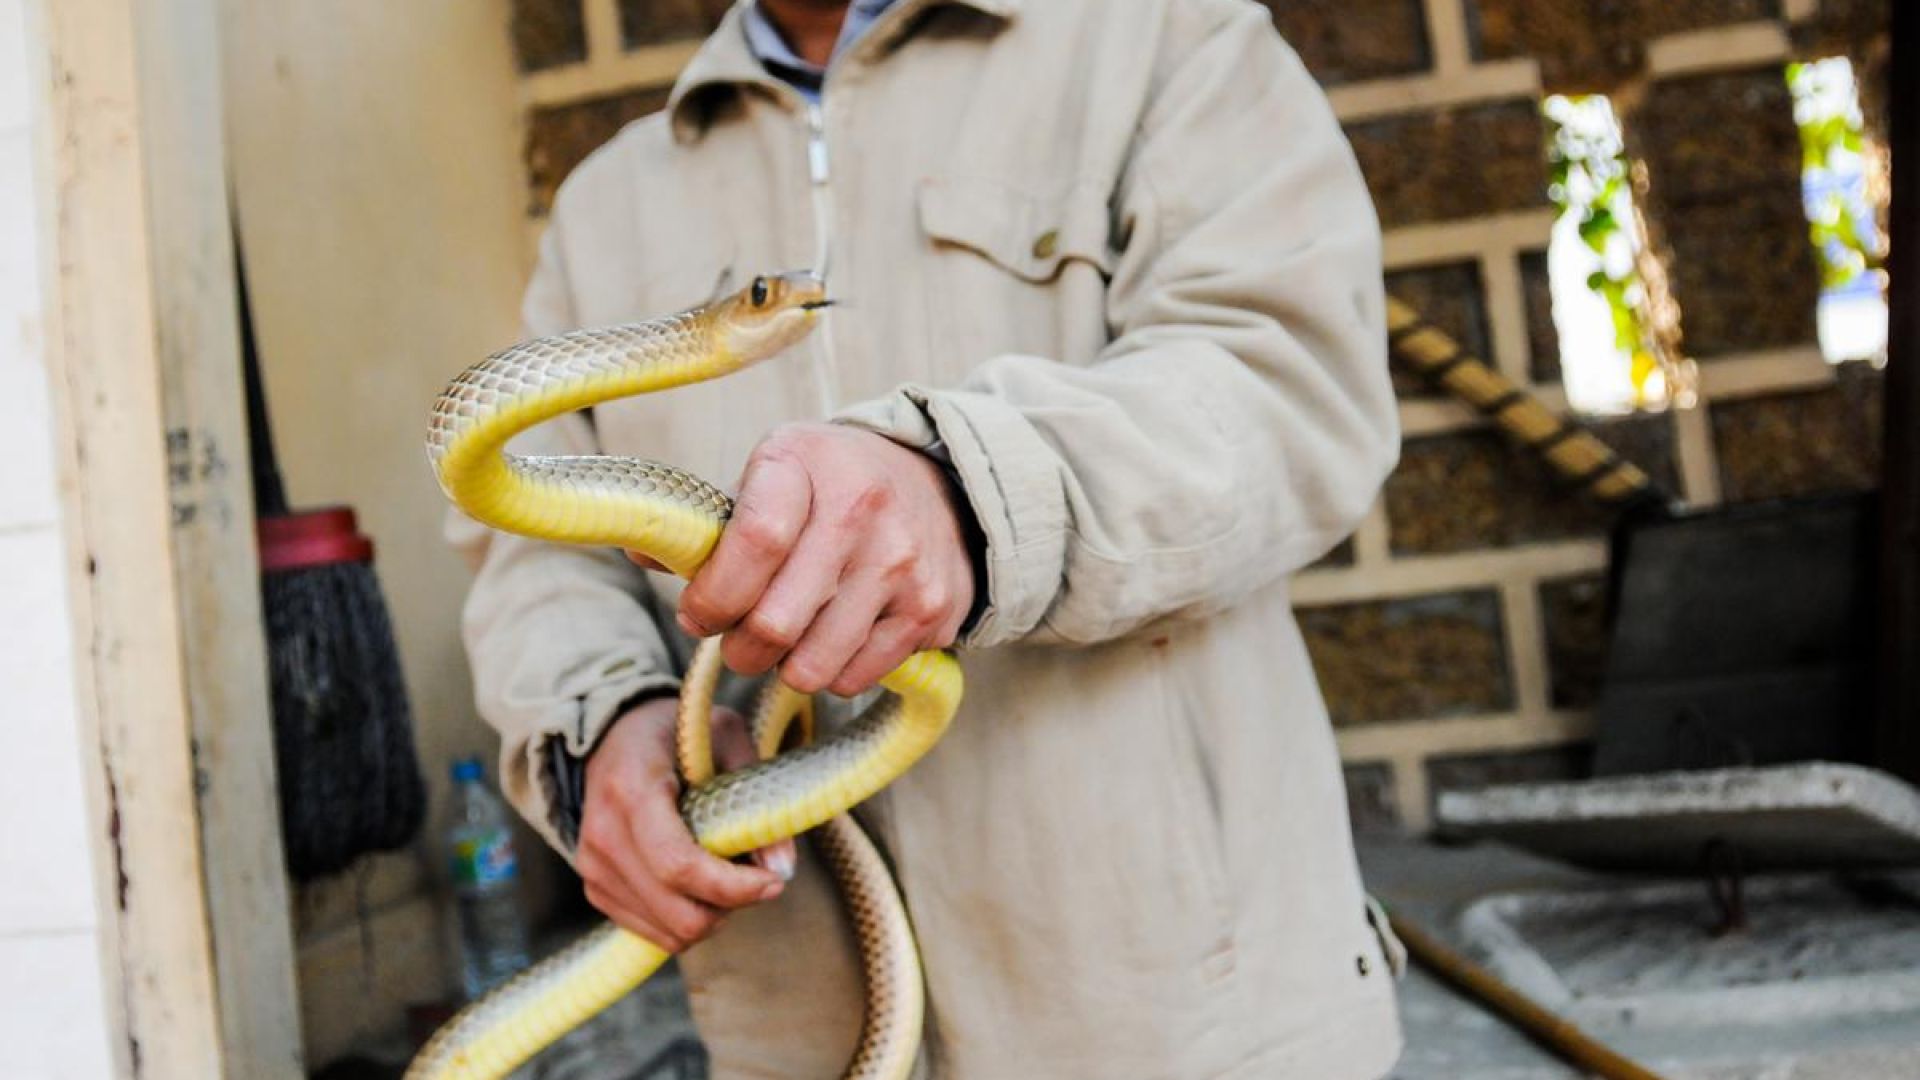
{"x": 1842, "y": 186}
{"x": 1616, "y": 322}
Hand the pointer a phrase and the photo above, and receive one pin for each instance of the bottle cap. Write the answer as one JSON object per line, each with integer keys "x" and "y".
{"x": 468, "y": 768}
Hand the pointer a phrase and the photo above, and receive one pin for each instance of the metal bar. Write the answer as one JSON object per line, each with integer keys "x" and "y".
{"x": 1551, "y": 1030}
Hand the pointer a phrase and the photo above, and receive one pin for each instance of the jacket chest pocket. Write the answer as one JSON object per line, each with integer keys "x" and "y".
{"x": 1015, "y": 270}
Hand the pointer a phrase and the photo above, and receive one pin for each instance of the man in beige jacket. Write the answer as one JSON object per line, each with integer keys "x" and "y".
{"x": 1112, "y": 368}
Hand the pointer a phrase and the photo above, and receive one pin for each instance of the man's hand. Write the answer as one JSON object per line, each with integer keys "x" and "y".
{"x": 845, "y": 554}
{"x": 641, "y": 866}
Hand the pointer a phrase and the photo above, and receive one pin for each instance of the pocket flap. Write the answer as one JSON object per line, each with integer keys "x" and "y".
{"x": 1030, "y": 235}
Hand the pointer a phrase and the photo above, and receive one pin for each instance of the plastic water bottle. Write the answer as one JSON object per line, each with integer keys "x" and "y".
{"x": 486, "y": 883}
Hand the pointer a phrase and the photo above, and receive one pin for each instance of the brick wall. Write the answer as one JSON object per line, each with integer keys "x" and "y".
{"x": 1463, "y": 641}
{"x": 1459, "y": 634}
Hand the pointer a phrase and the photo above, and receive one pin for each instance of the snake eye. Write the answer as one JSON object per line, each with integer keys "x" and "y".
{"x": 760, "y": 291}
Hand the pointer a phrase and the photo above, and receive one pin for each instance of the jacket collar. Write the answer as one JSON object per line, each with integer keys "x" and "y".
{"x": 725, "y": 60}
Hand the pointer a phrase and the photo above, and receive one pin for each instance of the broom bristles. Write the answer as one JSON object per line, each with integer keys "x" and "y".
{"x": 349, "y": 778}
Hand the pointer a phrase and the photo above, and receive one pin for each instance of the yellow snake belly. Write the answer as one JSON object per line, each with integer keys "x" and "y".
{"x": 676, "y": 519}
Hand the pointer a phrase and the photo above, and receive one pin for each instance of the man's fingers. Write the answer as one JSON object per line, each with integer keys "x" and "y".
{"x": 612, "y": 904}
{"x": 775, "y": 496}
{"x": 644, "y": 562}
{"x": 893, "y": 639}
{"x": 780, "y": 858}
{"x": 732, "y": 743}
{"x": 610, "y": 857}
{"x": 684, "y": 867}
{"x": 666, "y": 883}
{"x": 696, "y": 874}
{"x": 640, "y": 864}
{"x": 673, "y": 923}
{"x": 836, "y": 636}
{"x": 684, "y": 920}
{"x": 789, "y": 604}
{"x": 623, "y": 889}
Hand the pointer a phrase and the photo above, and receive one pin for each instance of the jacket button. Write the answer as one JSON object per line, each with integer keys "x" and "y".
{"x": 1046, "y": 244}
{"x": 1360, "y": 963}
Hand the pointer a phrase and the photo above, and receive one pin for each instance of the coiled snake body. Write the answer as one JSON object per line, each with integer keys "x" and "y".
{"x": 676, "y": 519}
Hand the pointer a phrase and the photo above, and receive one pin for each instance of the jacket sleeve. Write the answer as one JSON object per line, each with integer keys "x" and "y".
{"x": 1239, "y": 423}
{"x": 561, "y": 639}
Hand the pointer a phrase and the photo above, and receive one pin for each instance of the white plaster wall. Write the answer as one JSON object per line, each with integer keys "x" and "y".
{"x": 376, "y": 156}
{"x": 375, "y": 149}
{"x": 53, "y": 1023}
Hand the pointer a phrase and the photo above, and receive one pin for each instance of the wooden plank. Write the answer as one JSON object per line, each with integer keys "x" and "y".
{"x": 214, "y": 551}
{"x": 170, "y": 661}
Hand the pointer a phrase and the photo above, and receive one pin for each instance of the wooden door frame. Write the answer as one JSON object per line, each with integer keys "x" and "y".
{"x": 171, "y": 683}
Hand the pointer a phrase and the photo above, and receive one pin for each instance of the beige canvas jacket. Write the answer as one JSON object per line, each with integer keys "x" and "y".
{"x": 1116, "y": 257}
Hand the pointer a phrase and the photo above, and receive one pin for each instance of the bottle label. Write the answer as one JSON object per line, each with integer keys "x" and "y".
{"x": 484, "y": 858}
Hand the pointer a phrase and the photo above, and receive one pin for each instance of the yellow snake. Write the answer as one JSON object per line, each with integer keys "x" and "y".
{"x": 676, "y": 519}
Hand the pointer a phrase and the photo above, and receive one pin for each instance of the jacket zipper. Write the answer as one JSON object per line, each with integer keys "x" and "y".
{"x": 826, "y": 367}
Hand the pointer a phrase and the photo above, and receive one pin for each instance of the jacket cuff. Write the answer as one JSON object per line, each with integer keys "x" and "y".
{"x": 559, "y": 757}
{"x": 1012, "y": 485}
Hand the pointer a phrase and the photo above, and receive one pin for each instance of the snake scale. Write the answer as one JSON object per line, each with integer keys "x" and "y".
{"x": 676, "y": 518}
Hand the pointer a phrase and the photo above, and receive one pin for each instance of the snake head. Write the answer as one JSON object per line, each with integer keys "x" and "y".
{"x": 772, "y": 313}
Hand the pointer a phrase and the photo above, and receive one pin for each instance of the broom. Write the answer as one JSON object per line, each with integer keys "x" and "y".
{"x": 350, "y": 783}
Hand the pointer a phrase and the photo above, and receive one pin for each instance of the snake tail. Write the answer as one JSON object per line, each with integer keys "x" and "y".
{"x": 889, "y": 959}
